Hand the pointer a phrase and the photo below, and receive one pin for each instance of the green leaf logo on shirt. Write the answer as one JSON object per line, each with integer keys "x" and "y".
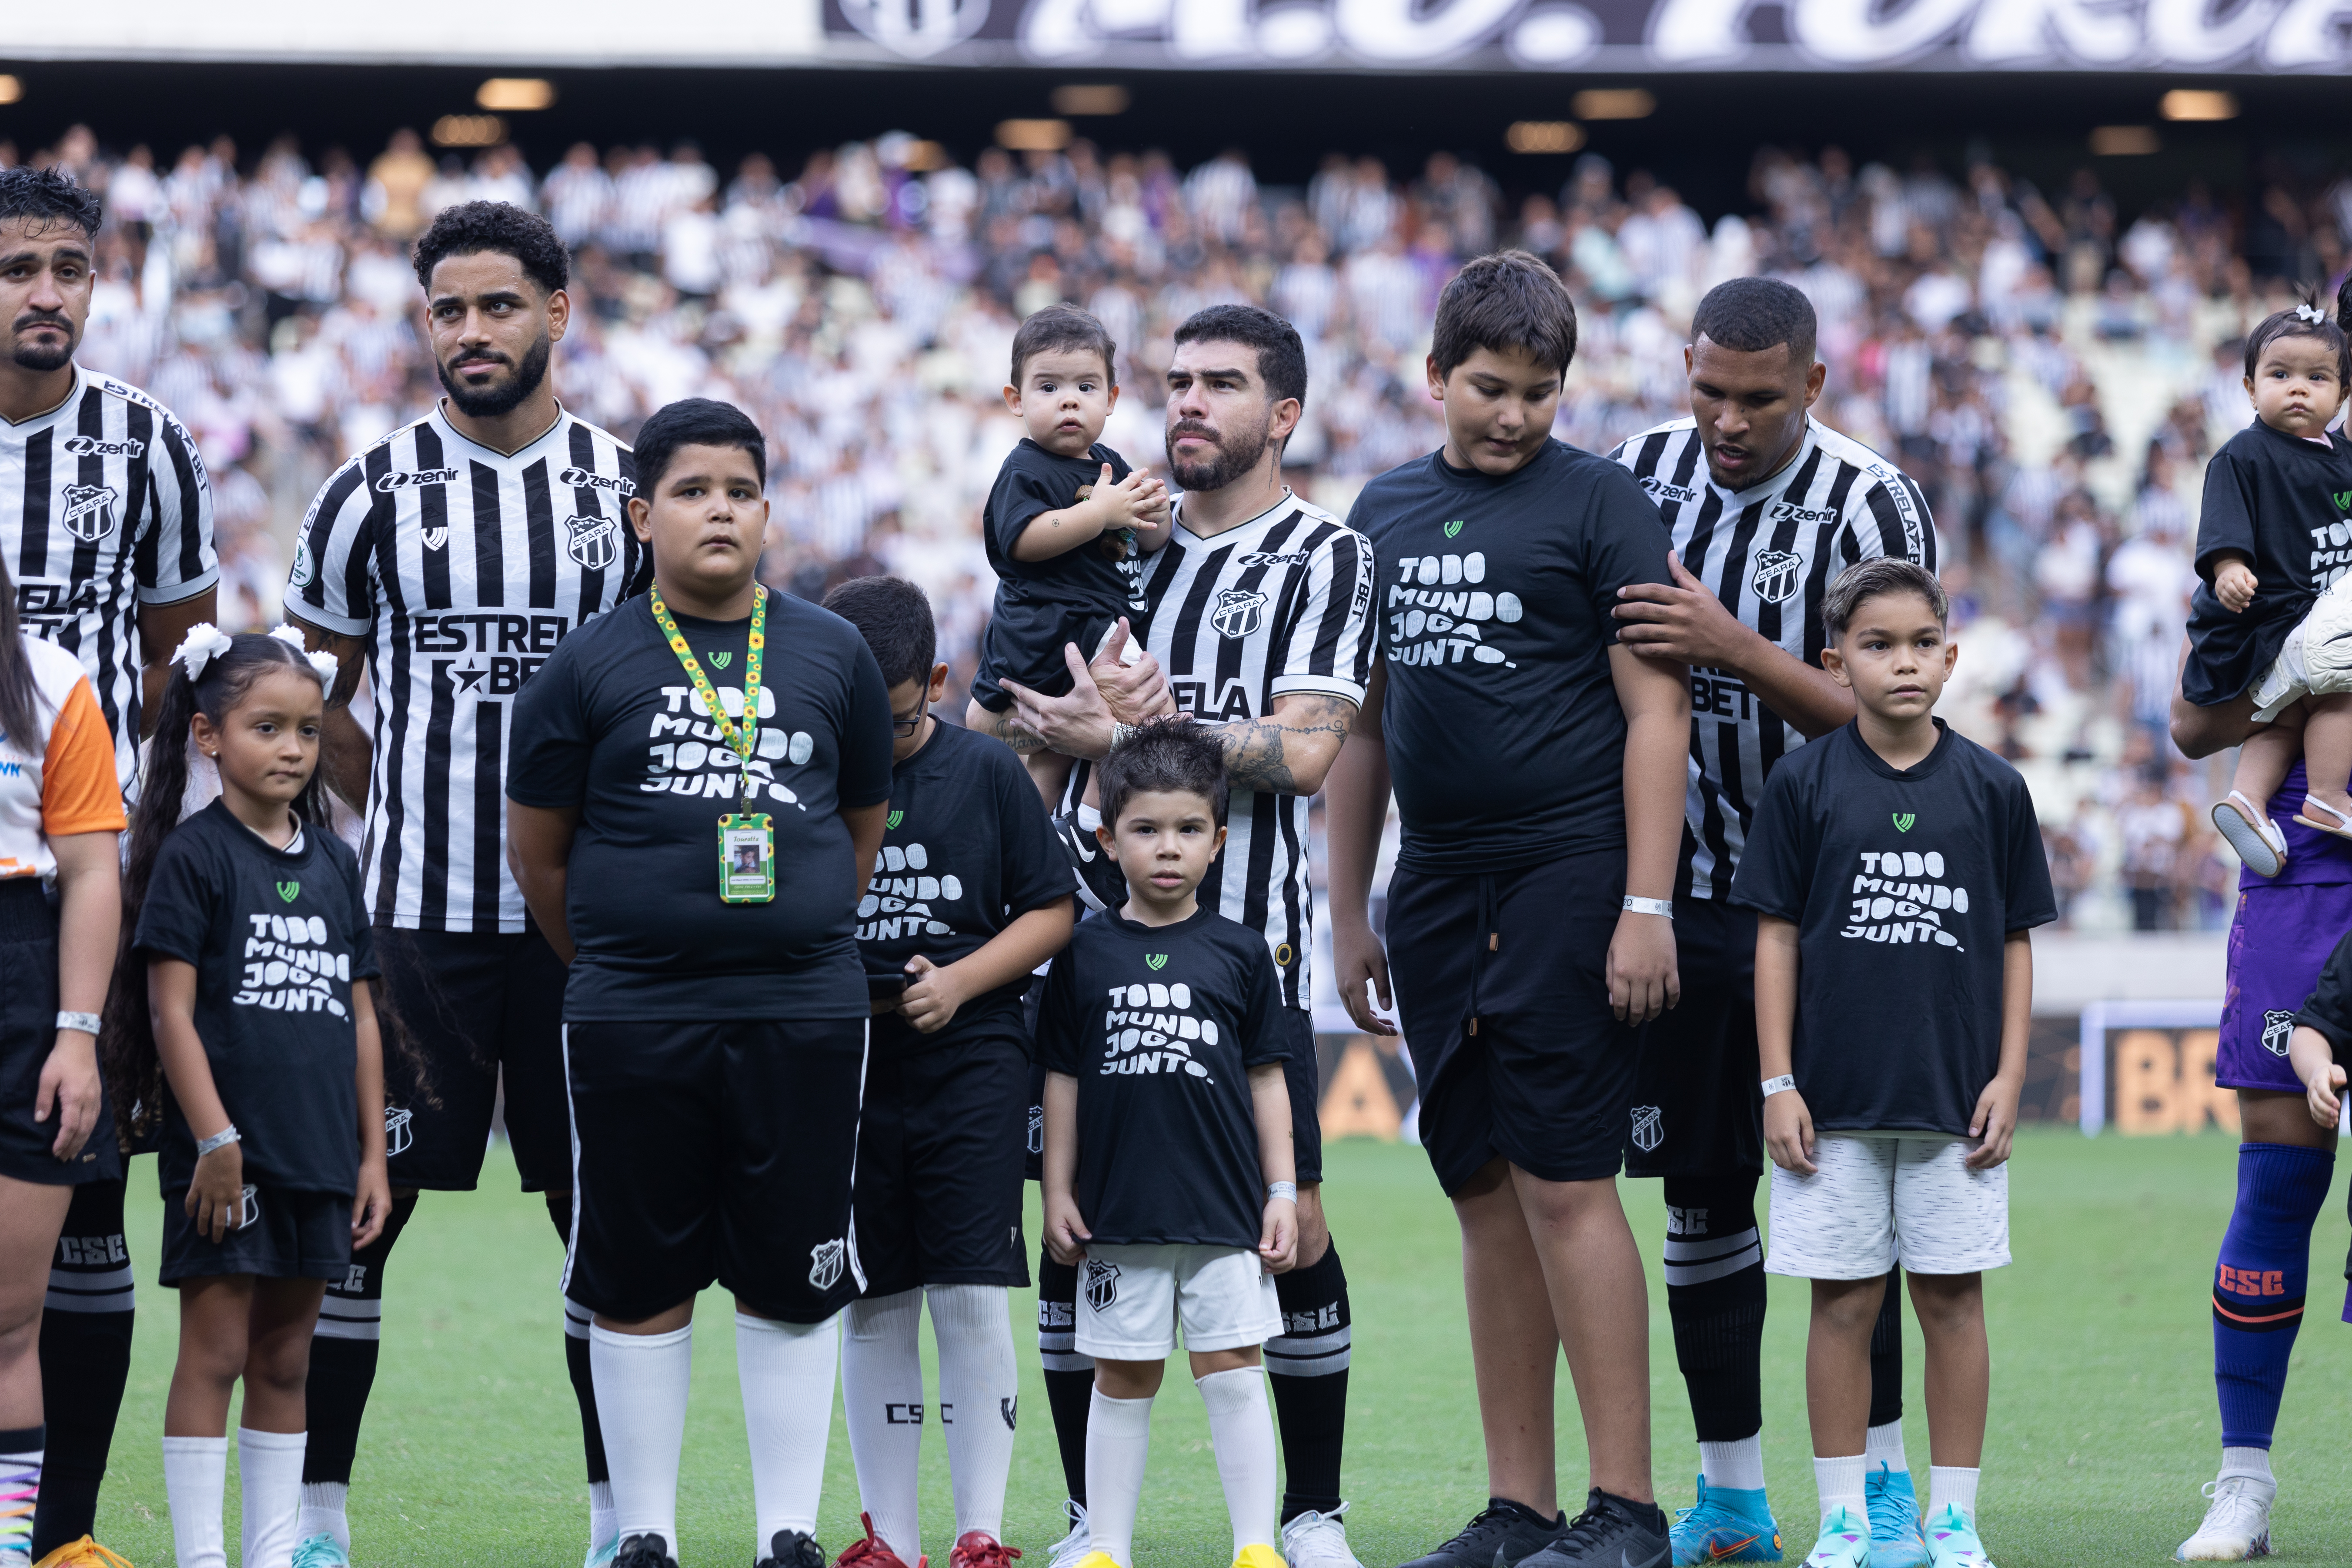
{"x": 721, "y": 661}
{"x": 2343, "y": 500}
{"x": 1155, "y": 961}
{"x": 286, "y": 890}
{"x": 896, "y": 817}
{"x": 1903, "y": 821}
{"x": 1453, "y": 528}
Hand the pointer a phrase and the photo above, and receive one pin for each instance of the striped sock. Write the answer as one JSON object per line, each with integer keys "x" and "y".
{"x": 20, "y": 1492}
{"x": 2258, "y": 1283}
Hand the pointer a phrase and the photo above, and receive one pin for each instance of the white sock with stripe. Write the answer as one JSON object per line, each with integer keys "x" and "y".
{"x": 882, "y": 1395}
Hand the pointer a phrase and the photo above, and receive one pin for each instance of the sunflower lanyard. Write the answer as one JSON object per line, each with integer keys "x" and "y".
{"x": 747, "y": 840}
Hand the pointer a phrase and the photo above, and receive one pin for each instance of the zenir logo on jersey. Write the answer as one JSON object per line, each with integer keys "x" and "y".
{"x": 89, "y": 511}
{"x": 1102, "y": 1284}
{"x": 1787, "y": 510}
{"x": 1239, "y": 612}
{"x": 579, "y": 479}
{"x": 397, "y": 1132}
{"x": 1649, "y": 1127}
{"x": 825, "y": 1259}
{"x": 91, "y": 447}
{"x": 411, "y": 479}
{"x": 1779, "y": 576}
{"x": 1661, "y": 490}
{"x": 1269, "y": 558}
{"x": 2277, "y": 1028}
{"x": 592, "y": 541}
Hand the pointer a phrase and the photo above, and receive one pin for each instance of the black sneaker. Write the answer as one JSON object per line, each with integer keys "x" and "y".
{"x": 1101, "y": 884}
{"x": 643, "y": 1551}
{"x": 793, "y": 1549}
{"x": 1501, "y": 1535}
{"x": 1611, "y": 1533}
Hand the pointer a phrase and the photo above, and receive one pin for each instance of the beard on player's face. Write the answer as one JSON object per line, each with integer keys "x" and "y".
{"x": 38, "y": 354}
{"x": 1236, "y": 453}
{"x": 500, "y": 396}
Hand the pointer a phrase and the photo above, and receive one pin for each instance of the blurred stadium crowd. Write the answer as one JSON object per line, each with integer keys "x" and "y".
{"x": 2053, "y": 370}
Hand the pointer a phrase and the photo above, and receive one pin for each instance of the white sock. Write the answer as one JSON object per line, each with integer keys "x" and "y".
{"x": 2254, "y": 1464}
{"x": 1118, "y": 1446}
{"x": 196, "y": 1480}
{"x": 786, "y": 1370}
{"x": 601, "y": 1519}
{"x": 641, "y": 1381}
{"x": 882, "y": 1394}
{"x": 980, "y": 1386}
{"x": 1734, "y": 1467}
{"x": 270, "y": 1476}
{"x": 1840, "y": 1483}
{"x": 1241, "y": 1430}
{"x": 1953, "y": 1485}
{"x": 20, "y": 1496}
{"x": 1885, "y": 1446}
{"x": 325, "y": 1512}
{"x": 1090, "y": 817}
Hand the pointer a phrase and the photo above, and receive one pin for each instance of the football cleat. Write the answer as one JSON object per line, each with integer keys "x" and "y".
{"x": 1726, "y": 1525}
{"x": 978, "y": 1548}
{"x": 1952, "y": 1541}
{"x": 320, "y": 1551}
{"x": 1072, "y": 1548}
{"x": 2237, "y": 1523}
{"x": 1893, "y": 1504}
{"x": 648, "y": 1550}
{"x": 1498, "y": 1537}
{"x": 1317, "y": 1539}
{"x": 602, "y": 1554}
{"x": 1844, "y": 1542}
{"x": 1101, "y": 885}
{"x": 1608, "y": 1534}
{"x": 795, "y": 1548}
{"x": 871, "y": 1552}
{"x": 1255, "y": 1556}
{"x": 87, "y": 1553}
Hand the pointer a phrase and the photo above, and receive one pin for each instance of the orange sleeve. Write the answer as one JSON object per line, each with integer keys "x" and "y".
{"x": 78, "y": 792}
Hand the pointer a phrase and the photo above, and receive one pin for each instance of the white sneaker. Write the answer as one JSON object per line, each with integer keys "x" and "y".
{"x": 1077, "y": 1544}
{"x": 2237, "y": 1523}
{"x": 1316, "y": 1540}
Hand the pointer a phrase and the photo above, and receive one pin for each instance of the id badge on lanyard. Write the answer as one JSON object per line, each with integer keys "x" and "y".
{"x": 747, "y": 857}
{"x": 747, "y": 840}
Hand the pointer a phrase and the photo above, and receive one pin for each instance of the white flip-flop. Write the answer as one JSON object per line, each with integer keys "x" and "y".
{"x": 2259, "y": 842}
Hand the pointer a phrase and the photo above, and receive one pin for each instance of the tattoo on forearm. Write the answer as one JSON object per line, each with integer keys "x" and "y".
{"x": 1002, "y": 727}
{"x": 1257, "y": 750}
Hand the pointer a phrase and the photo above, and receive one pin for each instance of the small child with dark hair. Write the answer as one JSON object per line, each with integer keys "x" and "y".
{"x": 1067, "y": 528}
{"x": 1168, "y": 1161}
{"x": 969, "y": 895}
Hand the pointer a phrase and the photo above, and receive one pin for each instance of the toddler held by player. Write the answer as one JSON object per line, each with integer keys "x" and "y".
{"x": 2271, "y": 545}
{"x": 1895, "y": 869}
{"x": 1169, "y": 1173}
{"x": 241, "y": 1017}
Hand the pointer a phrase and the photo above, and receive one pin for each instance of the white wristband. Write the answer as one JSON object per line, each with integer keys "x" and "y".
{"x": 220, "y": 1140}
{"x": 1773, "y": 1086}
{"x": 1665, "y": 907}
{"x": 1282, "y": 1189}
{"x": 86, "y": 1022}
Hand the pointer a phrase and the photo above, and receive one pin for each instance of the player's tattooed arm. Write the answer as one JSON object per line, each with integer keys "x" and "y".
{"x": 349, "y": 753}
{"x": 1005, "y": 727}
{"x": 1293, "y": 747}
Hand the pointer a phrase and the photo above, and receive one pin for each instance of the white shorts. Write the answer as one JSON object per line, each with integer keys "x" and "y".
{"x": 1131, "y": 1299}
{"x": 1876, "y": 1199}
{"x": 2293, "y": 676}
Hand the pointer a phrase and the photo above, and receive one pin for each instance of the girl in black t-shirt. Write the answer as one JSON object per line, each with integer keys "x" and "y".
{"x": 2273, "y": 545}
{"x": 240, "y": 1020}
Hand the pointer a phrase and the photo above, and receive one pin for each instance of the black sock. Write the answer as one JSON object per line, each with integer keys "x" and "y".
{"x": 342, "y": 1355}
{"x": 86, "y": 1357}
{"x": 1715, "y": 1293}
{"x": 1308, "y": 1362}
{"x": 1886, "y": 1356}
{"x": 576, "y": 1319}
{"x": 1069, "y": 1375}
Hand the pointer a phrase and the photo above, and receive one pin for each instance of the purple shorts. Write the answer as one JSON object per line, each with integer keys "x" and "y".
{"x": 2278, "y": 942}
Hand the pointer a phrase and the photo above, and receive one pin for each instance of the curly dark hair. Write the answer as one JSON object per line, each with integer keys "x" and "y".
{"x": 47, "y": 196}
{"x": 471, "y": 228}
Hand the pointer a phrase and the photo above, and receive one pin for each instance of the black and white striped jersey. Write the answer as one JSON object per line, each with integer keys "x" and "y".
{"x": 104, "y": 506}
{"x": 463, "y": 567}
{"x": 1769, "y": 553}
{"x": 1275, "y": 606}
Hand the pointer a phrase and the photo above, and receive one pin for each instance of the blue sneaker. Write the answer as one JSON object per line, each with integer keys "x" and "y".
{"x": 320, "y": 1551}
{"x": 1952, "y": 1541}
{"x": 1844, "y": 1542}
{"x": 1894, "y": 1506}
{"x": 601, "y": 1556}
{"x": 1725, "y": 1526}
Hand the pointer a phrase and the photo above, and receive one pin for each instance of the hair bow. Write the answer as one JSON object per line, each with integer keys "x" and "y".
{"x": 203, "y": 643}
{"x": 324, "y": 663}
{"x": 2311, "y": 313}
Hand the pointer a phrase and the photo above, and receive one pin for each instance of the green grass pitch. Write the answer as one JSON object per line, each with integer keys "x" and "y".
{"x": 2102, "y": 1418}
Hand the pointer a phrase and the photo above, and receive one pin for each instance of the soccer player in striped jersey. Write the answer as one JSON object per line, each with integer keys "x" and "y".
{"x": 452, "y": 557}
{"x": 106, "y": 523}
{"x": 1764, "y": 507}
{"x": 1258, "y": 621}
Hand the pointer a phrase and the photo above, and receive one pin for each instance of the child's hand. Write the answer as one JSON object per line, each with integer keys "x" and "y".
{"x": 216, "y": 1196}
{"x": 70, "y": 1085}
{"x": 2324, "y": 1091}
{"x": 1788, "y": 1131}
{"x": 1129, "y": 502}
{"x": 2234, "y": 583}
{"x": 931, "y": 1003}
{"x": 1066, "y": 1229}
{"x": 1995, "y": 1121}
{"x": 1643, "y": 977}
{"x": 1277, "y": 1236}
{"x": 372, "y": 1204}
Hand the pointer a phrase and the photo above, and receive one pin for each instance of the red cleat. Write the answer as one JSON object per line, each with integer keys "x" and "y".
{"x": 978, "y": 1548}
{"x": 874, "y": 1552}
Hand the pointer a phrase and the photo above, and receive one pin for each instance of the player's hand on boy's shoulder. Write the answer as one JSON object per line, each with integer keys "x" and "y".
{"x": 931, "y": 998}
{"x": 1066, "y": 1229}
{"x": 1277, "y": 1236}
{"x": 1682, "y": 620}
{"x": 1788, "y": 1131}
{"x": 1995, "y": 1121}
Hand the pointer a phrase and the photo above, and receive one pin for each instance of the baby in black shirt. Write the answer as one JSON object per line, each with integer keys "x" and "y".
{"x": 2273, "y": 545}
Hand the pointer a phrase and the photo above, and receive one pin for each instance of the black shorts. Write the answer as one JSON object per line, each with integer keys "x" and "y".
{"x": 475, "y": 1003}
{"x": 281, "y": 1236}
{"x": 939, "y": 1152}
{"x": 714, "y": 1153}
{"x": 29, "y": 1032}
{"x": 1698, "y": 1108}
{"x": 1038, "y": 662}
{"x": 1501, "y": 990}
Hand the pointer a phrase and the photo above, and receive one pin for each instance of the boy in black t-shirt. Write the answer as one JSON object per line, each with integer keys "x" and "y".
{"x": 970, "y": 894}
{"x": 1168, "y": 1158}
{"x": 1895, "y": 869}
{"x": 715, "y": 1018}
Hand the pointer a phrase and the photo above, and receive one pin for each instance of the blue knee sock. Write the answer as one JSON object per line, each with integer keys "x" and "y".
{"x": 2259, "y": 1282}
